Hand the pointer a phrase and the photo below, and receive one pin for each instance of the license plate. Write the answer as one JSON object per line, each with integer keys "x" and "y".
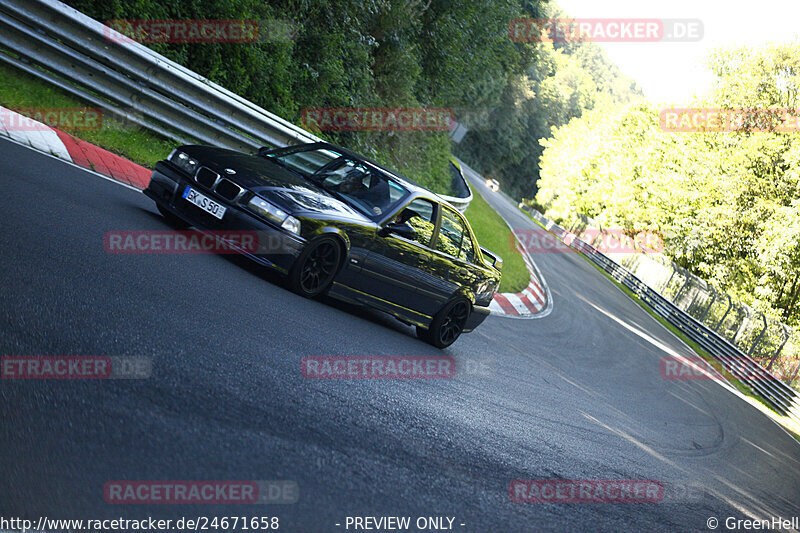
{"x": 204, "y": 202}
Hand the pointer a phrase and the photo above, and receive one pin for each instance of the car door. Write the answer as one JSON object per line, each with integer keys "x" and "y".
{"x": 450, "y": 265}
{"x": 395, "y": 271}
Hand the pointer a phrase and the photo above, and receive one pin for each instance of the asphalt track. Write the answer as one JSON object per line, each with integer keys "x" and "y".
{"x": 574, "y": 395}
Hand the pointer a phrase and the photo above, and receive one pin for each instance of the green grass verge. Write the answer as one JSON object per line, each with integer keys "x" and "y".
{"x": 19, "y": 90}
{"x": 759, "y": 403}
{"x": 493, "y": 234}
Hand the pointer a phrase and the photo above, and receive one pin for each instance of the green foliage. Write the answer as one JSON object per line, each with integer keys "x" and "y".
{"x": 400, "y": 53}
{"x": 493, "y": 234}
{"x": 345, "y": 53}
{"x": 725, "y": 203}
{"x": 558, "y": 82}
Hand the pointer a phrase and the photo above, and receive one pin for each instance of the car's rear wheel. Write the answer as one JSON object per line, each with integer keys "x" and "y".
{"x": 447, "y": 325}
{"x": 172, "y": 220}
{"x": 316, "y": 267}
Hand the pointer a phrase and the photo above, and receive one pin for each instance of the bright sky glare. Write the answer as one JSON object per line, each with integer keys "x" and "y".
{"x": 672, "y": 72}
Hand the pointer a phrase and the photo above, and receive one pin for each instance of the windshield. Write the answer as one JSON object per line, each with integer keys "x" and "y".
{"x": 306, "y": 162}
{"x": 366, "y": 188}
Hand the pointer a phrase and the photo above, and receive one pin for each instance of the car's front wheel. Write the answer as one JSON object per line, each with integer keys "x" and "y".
{"x": 316, "y": 267}
{"x": 447, "y": 325}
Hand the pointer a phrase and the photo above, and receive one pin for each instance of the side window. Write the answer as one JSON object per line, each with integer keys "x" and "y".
{"x": 454, "y": 238}
{"x": 419, "y": 215}
{"x": 467, "y": 252}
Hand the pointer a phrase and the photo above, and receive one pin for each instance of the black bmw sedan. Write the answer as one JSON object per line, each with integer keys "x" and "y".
{"x": 336, "y": 223}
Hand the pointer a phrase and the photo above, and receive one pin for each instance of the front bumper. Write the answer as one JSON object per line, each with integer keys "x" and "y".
{"x": 276, "y": 248}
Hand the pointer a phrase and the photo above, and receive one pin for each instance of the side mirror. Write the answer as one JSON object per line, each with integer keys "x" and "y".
{"x": 403, "y": 229}
{"x": 493, "y": 259}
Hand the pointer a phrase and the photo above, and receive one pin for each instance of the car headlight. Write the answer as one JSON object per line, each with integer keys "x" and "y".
{"x": 274, "y": 214}
{"x": 291, "y": 224}
{"x": 183, "y": 161}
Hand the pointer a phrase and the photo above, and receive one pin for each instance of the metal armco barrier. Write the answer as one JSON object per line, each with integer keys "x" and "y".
{"x": 82, "y": 56}
{"x": 776, "y": 392}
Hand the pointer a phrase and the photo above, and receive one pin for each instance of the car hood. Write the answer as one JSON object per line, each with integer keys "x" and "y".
{"x": 295, "y": 201}
{"x": 283, "y": 187}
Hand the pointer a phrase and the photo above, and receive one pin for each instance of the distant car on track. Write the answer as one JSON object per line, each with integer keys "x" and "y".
{"x": 338, "y": 224}
{"x": 493, "y": 184}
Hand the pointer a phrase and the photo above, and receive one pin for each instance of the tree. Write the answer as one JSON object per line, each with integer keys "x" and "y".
{"x": 725, "y": 203}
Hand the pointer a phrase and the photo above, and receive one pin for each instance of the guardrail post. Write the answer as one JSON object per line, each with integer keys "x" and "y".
{"x": 694, "y": 299}
{"x": 744, "y": 323}
{"x": 758, "y": 338}
{"x": 728, "y": 310}
{"x": 672, "y": 275}
{"x": 777, "y": 353}
{"x": 678, "y": 294}
{"x": 702, "y": 317}
{"x": 794, "y": 376}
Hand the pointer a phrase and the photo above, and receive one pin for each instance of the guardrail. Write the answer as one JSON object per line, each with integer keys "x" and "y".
{"x": 82, "y": 56}
{"x": 777, "y": 393}
{"x": 768, "y": 341}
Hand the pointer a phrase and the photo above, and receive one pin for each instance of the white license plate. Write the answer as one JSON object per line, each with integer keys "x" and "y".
{"x": 204, "y": 202}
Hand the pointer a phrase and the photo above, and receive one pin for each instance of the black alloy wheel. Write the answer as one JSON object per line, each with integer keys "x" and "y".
{"x": 317, "y": 266}
{"x": 447, "y": 325}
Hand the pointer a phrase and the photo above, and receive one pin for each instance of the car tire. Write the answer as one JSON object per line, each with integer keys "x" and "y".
{"x": 447, "y": 324}
{"x": 173, "y": 220}
{"x": 315, "y": 269}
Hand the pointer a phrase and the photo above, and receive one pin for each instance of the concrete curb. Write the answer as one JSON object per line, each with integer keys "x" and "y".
{"x": 64, "y": 146}
{"x": 533, "y": 302}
